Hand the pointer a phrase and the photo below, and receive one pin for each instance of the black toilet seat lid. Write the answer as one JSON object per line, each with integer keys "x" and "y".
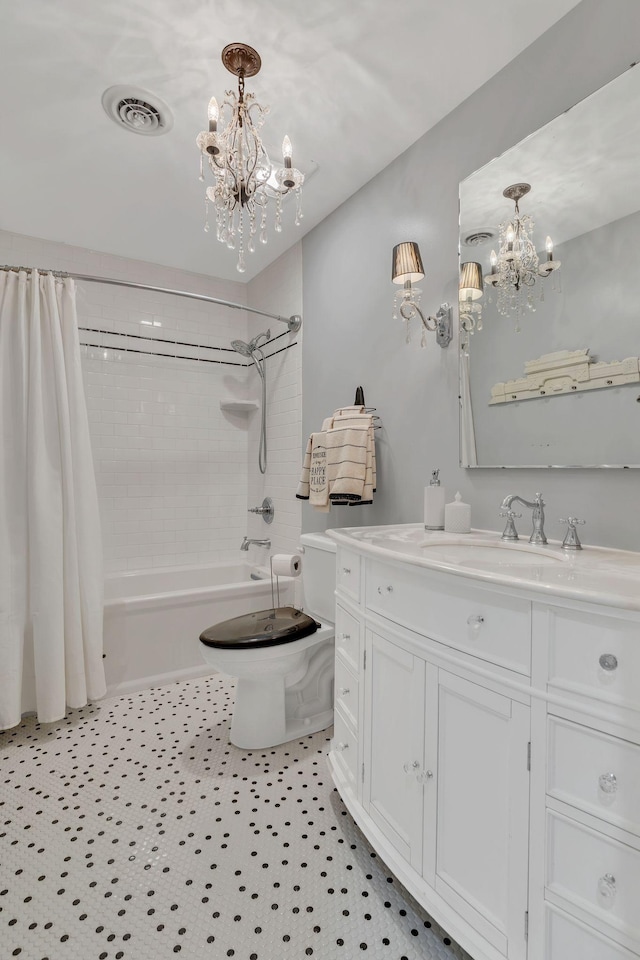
{"x": 264, "y": 628}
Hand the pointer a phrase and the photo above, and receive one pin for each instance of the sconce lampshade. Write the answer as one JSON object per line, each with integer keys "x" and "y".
{"x": 406, "y": 263}
{"x": 471, "y": 286}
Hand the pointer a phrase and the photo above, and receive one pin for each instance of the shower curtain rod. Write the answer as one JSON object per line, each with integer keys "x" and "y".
{"x": 293, "y": 323}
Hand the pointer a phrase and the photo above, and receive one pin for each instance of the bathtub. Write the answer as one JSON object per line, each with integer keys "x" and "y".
{"x": 153, "y": 619}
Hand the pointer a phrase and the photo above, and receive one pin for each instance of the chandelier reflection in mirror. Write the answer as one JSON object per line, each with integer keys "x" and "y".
{"x": 516, "y": 268}
{"x": 246, "y": 183}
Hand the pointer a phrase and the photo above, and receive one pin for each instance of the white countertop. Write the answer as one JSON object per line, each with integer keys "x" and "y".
{"x": 593, "y": 574}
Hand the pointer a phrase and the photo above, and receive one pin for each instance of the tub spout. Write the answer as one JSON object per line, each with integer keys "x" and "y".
{"x": 246, "y": 543}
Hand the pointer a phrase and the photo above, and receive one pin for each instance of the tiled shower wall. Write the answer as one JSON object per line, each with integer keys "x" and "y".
{"x": 172, "y": 467}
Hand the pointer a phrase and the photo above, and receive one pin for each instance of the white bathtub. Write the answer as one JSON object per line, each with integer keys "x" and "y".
{"x": 153, "y": 619}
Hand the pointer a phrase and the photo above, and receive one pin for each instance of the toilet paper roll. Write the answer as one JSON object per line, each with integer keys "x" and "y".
{"x": 286, "y": 564}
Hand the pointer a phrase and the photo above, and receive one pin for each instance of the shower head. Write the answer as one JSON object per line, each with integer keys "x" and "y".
{"x": 248, "y": 349}
{"x": 242, "y": 348}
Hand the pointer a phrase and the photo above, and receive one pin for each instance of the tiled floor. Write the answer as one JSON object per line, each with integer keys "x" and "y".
{"x": 132, "y": 829}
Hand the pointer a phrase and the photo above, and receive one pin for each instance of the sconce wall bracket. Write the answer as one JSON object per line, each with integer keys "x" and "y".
{"x": 444, "y": 331}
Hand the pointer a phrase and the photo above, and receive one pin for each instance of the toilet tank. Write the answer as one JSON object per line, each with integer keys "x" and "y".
{"x": 319, "y": 575}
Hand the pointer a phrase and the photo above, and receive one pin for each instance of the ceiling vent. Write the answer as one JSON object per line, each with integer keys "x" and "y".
{"x": 137, "y": 110}
{"x": 478, "y": 237}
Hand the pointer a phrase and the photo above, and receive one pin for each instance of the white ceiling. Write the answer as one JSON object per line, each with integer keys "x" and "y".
{"x": 352, "y": 83}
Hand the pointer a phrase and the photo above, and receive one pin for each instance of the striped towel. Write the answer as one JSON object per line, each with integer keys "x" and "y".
{"x": 356, "y": 418}
{"x": 348, "y": 452}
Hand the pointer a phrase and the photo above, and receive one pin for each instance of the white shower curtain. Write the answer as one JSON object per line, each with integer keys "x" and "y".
{"x": 51, "y": 579}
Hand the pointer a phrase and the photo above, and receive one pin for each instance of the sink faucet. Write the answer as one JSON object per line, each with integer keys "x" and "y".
{"x": 246, "y": 543}
{"x": 537, "y": 515}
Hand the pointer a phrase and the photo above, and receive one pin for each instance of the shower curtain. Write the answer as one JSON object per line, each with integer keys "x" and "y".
{"x": 51, "y": 579}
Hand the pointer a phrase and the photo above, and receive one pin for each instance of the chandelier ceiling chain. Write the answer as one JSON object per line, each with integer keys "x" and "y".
{"x": 245, "y": 179}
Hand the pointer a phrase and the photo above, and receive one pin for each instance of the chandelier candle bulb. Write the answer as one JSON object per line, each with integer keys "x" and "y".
{"x": 213, "y": 113}
{"x": 549, "y": 248}
{"x": 457, "y": 516}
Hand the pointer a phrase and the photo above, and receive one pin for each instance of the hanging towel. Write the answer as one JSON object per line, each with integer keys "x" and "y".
{"x": 347, "y": 454}
{"x": 313, "y": 484}
{"x": 356, "y": 416}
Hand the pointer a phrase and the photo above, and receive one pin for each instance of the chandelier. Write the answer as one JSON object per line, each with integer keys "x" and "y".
{"x": 516, "y": 268}
{"x": 246, "y": 183}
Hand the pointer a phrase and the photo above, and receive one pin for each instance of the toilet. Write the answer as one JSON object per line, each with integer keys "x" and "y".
{"x": 283, "y": 659}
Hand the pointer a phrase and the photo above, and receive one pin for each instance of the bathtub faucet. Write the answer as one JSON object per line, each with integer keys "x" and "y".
{"x": 246, "y": 543}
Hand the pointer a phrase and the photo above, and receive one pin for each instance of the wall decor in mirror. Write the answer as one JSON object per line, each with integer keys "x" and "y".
{"x": 550, "y": 328}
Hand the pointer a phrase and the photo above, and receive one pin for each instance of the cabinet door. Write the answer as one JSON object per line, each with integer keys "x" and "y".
{"x": 394, "y": 744}
{"x": 483, "y": 810}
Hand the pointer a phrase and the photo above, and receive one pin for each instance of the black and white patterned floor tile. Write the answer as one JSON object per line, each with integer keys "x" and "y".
{"x": 132, "y": 830}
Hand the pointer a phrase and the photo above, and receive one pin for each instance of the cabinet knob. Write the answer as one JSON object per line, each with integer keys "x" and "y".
{"x": 341, "y": 746}
{"x": 607, "y": 885}
{"x": 608, "y": 661}
{"x": 410, "y": 766}
{"x": 424, "y": 776}
{"x": 345, "y": 636}
{"x": 475, "y": 621}
{"x": 343, "y": 691}
{"x": 346, "y": 569}
{"x": 608, "y": 782}
{"x": 388, "y": 588}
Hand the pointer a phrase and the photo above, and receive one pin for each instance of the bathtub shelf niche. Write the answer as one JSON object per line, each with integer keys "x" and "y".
{"x": 238, "y": 406}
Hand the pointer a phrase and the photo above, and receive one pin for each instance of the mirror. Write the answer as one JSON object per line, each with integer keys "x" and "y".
{"x": 552, "y": 377}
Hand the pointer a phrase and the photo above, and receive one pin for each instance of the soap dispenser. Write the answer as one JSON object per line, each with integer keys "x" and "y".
{"x": 434, "y": 497}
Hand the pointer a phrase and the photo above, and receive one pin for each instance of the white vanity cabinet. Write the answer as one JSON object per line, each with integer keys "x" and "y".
{"x": 488, "y": 745}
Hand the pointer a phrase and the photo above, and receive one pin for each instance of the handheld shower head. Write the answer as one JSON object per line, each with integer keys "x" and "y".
{"x": 242, "y": 348}
{"x": 248, "y": 349}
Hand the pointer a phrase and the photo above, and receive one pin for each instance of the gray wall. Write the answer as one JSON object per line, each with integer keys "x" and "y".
{"x": 351, "y": 339}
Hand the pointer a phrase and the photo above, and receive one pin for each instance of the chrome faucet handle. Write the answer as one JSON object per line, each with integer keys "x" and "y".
{"x": 266, "y": 511}
{"x": 572, "y": 540}
{"x": 510, "y": 532}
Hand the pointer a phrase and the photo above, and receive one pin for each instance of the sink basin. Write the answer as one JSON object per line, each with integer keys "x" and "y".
{"x": 485, "y": 555}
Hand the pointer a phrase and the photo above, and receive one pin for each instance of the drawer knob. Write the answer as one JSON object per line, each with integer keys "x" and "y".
{"x": 608, "y": 782}
{"x": 346, "y": 569}
{"x": 608, "y": 661}
{"x": 607, "y": 885}
{"x": 342, "y": 746}
{"x": 343, "y": 691}
{"x": 388, "y": 588}
{"x": 475, "y": 621}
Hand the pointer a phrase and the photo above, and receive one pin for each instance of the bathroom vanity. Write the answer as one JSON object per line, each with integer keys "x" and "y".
{"x": 487, "y": 734}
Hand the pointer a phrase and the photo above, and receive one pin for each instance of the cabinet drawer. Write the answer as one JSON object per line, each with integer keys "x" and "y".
{"x": 344, "y": 748}
{"x": 596, "y": 772}
{"x": 348, "y": 573}
{"x": 348, "y": 639}
{"x": 594, "y": 873}
{"x": 491, "y": 626}
{"x": 595, "y": 656}
{"x": 567, "y": 938}
{"x": 346, "y": 693}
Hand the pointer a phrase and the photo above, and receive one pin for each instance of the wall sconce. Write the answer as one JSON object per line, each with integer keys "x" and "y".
{"x": 470, "y": 292}
{"x": 407, "y": 269}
